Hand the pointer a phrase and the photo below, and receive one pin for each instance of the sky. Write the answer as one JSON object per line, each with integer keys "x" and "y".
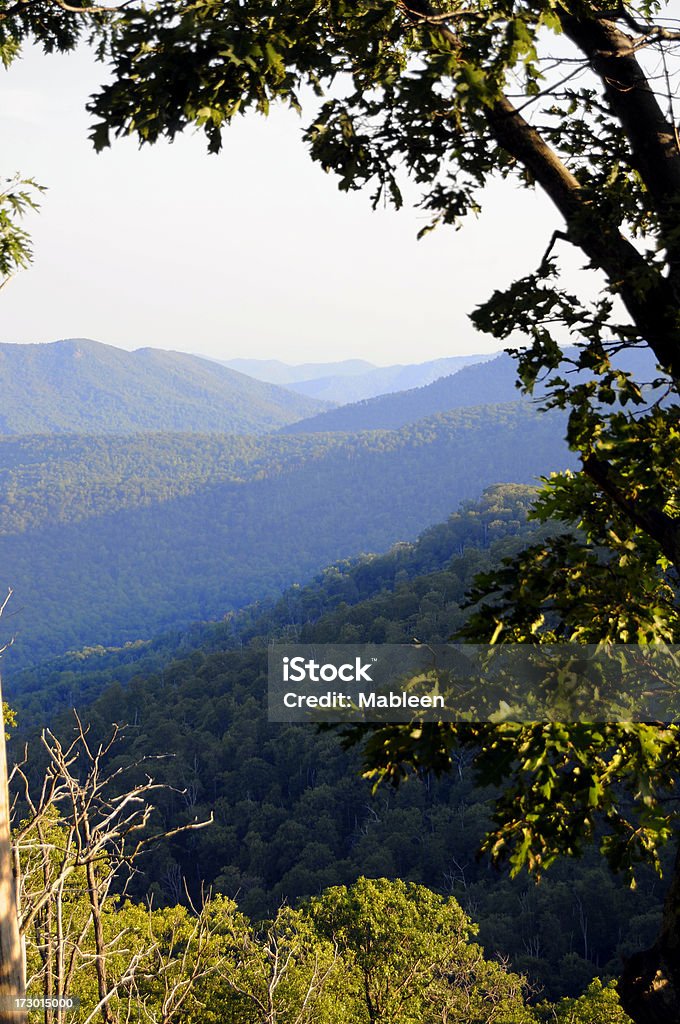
{"x": 252, "y": 253}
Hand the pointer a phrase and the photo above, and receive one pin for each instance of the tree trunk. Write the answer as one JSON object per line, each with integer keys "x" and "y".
{"x": 100, "y": 945}
{"x": 650, "y": 984}
{"x": 12, "y": 981}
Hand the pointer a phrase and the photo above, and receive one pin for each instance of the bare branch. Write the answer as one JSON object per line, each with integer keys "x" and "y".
{"x": 84, "y": 831}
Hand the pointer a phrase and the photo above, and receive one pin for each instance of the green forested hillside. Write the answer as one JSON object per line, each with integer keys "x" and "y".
{"x": 292, "y": 816}
{"x": 66, "y": 478}
{"x": 469, "y": 534}
{"x": 106, "y": 542}
{"x": 80, "y": 385}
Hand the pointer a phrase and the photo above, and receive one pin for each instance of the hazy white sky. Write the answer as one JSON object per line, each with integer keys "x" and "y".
{"x": 252, "y": 253}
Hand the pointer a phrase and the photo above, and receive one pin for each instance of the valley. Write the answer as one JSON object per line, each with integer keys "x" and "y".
{"x": 109, "y": 539}
{"x": 151, "y": 568}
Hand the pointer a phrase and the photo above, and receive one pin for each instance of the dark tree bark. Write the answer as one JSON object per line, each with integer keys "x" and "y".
{"x": 650, "y": 984}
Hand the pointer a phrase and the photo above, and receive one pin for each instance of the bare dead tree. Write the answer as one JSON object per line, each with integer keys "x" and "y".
{"x": 83, "y": 832}
{"x": 177, "y": 962}
{"x": 267, "y": 963}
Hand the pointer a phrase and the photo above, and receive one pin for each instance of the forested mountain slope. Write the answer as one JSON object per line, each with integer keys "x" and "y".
{"x": 69, "y": 477}
{"x": 292, "y": 815}
{"x": 118, "y": 539}
{"x": 80, "y": 385}
{"x": 478, "y": 526}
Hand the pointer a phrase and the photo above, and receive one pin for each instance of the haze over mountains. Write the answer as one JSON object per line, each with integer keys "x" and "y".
{"x": 150, "y": 489}
{"x": 478, "y": 384}
{"x": 275, "y": 371}
{"x": 353, "y": 379}
{"x": 482, "y": 383}
{"x": 79, "y": 385}
{"x": 108, "y": 539}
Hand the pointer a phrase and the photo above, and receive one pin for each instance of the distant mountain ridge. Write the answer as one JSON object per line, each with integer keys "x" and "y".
{"x": 491, "y": 382}
{"x": 275, "y": 371}
{"x": 354, "y": 379}
{"x": 79, "y": 385}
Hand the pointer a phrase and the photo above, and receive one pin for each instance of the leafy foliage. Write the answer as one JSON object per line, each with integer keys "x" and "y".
{"x": 599, "y": 1004}
{"x": 17, "y": 197}
{"x": 307, "y": 965}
